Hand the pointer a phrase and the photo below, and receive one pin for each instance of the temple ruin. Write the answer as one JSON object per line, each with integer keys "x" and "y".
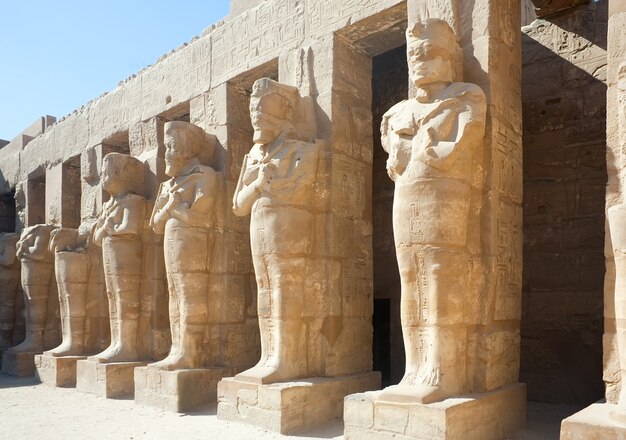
{"x": 405, "y": 214}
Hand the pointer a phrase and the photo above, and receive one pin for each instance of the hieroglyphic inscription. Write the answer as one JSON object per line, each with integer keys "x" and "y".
{"x": 260, "y": 34}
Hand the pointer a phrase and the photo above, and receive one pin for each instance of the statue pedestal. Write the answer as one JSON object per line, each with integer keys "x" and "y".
{"x": 593, "y": 422}
{"x": 114, "y": 380}
{"x": 179, "y": 391}
{"x": 18, "y": 364}
{"x": 484, "y": 416}
{"x": 57, "y": 371}
{"x": 287, "y": 407}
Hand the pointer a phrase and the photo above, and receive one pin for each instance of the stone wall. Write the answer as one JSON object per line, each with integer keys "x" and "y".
{"x": 564, "y": 98}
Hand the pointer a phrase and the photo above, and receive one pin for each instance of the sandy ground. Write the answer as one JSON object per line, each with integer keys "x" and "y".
{"x": 34, "y": 411}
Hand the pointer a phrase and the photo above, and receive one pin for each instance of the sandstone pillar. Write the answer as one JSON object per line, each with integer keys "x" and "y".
{"x": 311, "y": 246}
{"x": 459, "y": 364}
{"x": 608, "y": 420}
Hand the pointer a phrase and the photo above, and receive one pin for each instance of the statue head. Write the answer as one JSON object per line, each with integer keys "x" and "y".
{"x": 186, "y": 143}
{"x": 432, "y": 52}
{"x": 122, "y": 174}
{"x": 272, "y": 109}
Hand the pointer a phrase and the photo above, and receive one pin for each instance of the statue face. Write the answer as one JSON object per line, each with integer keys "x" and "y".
{"x": 428, "y": 63}
{"x": 269, "y": 117}
{"x": 175, "y": 157}
{"x": 111, "y": 179}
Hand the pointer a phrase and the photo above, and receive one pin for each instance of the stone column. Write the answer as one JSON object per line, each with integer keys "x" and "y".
{"x": 489, "y": 38}
{"x": 608, "y": 420}
{"x": 333, "y": 356}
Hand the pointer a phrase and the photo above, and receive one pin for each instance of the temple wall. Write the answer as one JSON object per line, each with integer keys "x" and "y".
{"x": 564, "y": 100}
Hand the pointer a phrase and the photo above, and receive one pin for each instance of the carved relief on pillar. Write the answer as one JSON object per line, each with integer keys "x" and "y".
{"x": 431, "y": 140}
{"x": 276, "y": 188}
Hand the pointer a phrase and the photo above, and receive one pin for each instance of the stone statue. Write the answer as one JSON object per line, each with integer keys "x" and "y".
{"x": 37, "y": 271}
{"x": 184, "y": 211}
{"x": 118, "y": 231}
{"x": 432, "y": 140}
{"x": 9, "y": 286}
{"x": 74, "y": 259}
{"x": 275, "y": 186}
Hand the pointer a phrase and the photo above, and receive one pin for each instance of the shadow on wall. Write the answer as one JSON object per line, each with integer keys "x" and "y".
{"x": 564, "y": 101}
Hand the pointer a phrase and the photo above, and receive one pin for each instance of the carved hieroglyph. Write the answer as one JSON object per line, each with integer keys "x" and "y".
{"x": 275, "y": 187}
{"x": 9, "y": 286}
{"x": 184, "y": 211}
{"x": 37, "y": 273}
{"x": 431, "y": 140}
{"x": 75, "y": 255}
{"x": 118, "y": 231}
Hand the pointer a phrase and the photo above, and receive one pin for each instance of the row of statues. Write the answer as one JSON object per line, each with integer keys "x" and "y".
{"x": 432, "y": 141}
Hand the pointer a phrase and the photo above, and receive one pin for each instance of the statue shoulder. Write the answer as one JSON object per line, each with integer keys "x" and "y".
{"x": 466, "y": 91}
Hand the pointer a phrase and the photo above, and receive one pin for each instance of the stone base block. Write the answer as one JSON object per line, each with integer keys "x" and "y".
{"x": 178, "y": 391}
{"x": 596, "y": 422}
{"x": 57, "y": 371}
{"x": 485, "y": 416}
{"x": 18, "y": 364}
{"x": 289, "y": 406}
{"x": 114, "y": 380}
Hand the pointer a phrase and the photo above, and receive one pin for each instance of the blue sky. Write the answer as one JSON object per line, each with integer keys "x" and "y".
{"x": 57, "y": 55}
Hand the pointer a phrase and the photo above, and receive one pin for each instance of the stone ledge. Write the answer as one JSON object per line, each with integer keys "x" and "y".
{"x": 178, "y": 391}
{"x": 593, "y": 423}
{"x": 485, "y": 416}
{"x": 114, "y": 380}
{"x": 18, "y": 364}
{"x": 288, "y": 407}
{"x": 57, "y": 371}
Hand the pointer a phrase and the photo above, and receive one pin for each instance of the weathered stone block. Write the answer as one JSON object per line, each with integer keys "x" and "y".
{"x": 486, "y": 416}
{"x": 57, "y": 371}
{"x": 115, "y": 380}
{"x": 593, "y": 423}
{"x": 177, "y": 391}
{"x": 18, "y": 364}
{"x": 289, "y": 406}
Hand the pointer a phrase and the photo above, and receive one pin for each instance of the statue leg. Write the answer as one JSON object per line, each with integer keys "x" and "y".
{"x": 190, "y": 304}
{"x": 283, "y": 333}
{"x": 36, "y": 277}
{"x": 434, "y": 322}
{"x": 265, "y": 366}
{"x": 123, "y": 265}
{"x": 72, "y": 273}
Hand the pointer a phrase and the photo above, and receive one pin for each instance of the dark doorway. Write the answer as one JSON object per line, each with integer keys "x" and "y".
{"x": 389, "y": 86}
